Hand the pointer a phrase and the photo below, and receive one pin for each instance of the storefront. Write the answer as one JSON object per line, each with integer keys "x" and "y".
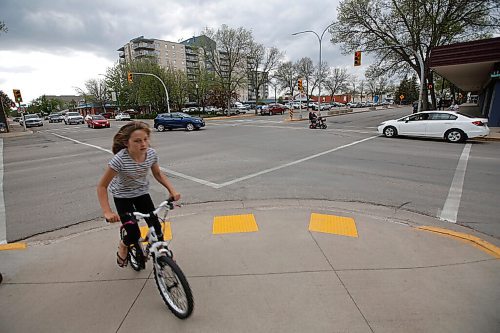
{"x": 473, "y": 67}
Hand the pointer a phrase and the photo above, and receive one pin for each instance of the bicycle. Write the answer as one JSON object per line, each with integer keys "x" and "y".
{"x": 170, "y": 280}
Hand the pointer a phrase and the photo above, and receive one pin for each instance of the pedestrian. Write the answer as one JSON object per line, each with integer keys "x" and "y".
{"x": 126, "y": 175}
{"x": 415, "y": 107}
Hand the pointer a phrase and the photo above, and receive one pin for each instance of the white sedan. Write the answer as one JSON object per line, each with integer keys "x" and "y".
{"x": 452, "y": 126}
{"x": 122, "y": 117}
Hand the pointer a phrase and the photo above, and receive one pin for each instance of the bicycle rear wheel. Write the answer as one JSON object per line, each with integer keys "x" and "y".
{"x": 173, "y": 287}
{"x": 136, "y": 257}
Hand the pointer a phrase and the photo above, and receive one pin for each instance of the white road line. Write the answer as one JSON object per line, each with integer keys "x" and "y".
{"x": 237, "y": 180}
{"x": 450, "y": 209}
{"x": 294, "y": 162}
{"x": 3, "y": 224}
{"x": 201, "y": 181}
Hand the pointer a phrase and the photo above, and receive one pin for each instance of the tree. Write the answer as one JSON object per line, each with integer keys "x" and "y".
{"x": 261, "y": 61}
{"x": 229, "y": 58}
{"x": 408, "y": 88}
{"x": 97, "y": 91}
{"x": 44, "y": 105}
{"x": 419, "y": 25}
{"x": 336, "y": 81}
{"x": 305, "y": 70}
{"x": 286, "y": 76}
{"x": 3, "y": 27}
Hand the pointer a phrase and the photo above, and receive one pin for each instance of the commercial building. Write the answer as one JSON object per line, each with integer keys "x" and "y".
{"x": 473, "y": 67}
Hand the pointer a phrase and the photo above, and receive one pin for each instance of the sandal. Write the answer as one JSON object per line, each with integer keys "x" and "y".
{"x": 122, "y": 262}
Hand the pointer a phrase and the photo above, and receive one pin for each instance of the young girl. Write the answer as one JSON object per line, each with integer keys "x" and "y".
{"x": 127, "y": 178}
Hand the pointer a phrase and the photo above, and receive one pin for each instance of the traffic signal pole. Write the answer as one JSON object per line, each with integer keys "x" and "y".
{"x": 422, "y": 72}
{"x": 164, "y": 86}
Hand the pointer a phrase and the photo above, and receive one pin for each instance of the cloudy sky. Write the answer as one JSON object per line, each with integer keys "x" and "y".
{"x": 53, "y": 46}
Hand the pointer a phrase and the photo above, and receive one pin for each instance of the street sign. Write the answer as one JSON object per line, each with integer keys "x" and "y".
{"x": 401, "y": 97}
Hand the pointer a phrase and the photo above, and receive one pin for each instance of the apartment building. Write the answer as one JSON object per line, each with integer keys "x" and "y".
{"x": 167, "y": 54}
{"x": 185, "y": 56}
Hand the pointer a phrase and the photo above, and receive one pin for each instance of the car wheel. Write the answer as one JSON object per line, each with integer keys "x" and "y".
{"x": 390, "y": 132}
{"x": 160, "y": 128}
{"x": 455, "y": 135}
{"x": 189, "y": 127}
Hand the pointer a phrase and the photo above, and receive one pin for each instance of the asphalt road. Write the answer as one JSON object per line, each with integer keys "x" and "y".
{"x": 50, "y": 176}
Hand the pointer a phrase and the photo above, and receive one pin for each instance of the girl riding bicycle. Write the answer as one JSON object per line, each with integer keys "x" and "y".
{"x": 127, "y": 178}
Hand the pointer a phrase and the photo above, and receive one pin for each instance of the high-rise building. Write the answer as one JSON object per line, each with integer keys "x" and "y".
{"x": 186, "y": 56}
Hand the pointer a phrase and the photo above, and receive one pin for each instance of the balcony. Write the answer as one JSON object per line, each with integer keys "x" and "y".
{"x": 145, "y": 46}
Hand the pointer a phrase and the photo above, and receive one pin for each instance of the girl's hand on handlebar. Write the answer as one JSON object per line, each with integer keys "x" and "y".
{"x": 175, "y": 196}
{"x": 112, "y": 217}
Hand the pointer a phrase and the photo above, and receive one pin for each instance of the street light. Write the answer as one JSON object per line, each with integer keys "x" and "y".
{"x": 320, "y": 39}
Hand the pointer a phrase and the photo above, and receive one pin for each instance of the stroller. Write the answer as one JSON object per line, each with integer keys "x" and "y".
{"x": 318, "y": 122}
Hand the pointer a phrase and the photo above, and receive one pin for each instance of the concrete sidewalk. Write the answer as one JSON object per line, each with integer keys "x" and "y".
{"x": 389, "y": 275}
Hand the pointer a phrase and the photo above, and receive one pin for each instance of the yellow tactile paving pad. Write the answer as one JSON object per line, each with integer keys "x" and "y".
{"x": 167, "y": 231}
{"x": 234, "y": 223}
{"x": 13, "y": 246}
{"x": 476, "y": 241}
{"x": 333, "y": 224}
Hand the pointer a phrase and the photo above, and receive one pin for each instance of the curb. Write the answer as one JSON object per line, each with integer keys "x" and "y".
{"x": 482, "y": 244}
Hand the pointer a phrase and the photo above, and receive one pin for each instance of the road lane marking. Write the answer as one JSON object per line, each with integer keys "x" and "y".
{"x": 294, "y": 162}
{"x": 237, "y": 180}
{"x": 3, "y": 222}
{"x": 452, "y": 204}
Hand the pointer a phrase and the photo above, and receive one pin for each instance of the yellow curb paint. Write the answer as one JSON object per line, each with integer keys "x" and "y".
{"x": 333, "y": 224}
{"x": 234, "y": 224}
{"x": 13, "y": 246}
{"x": 167, "y": 231}
{"x": 476, "y": 241}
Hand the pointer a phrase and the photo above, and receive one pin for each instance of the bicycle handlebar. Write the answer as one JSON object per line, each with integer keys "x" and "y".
{"x": 167, "y": 204}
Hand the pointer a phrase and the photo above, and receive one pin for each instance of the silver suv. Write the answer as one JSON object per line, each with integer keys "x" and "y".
{"x": 73, "y": 118}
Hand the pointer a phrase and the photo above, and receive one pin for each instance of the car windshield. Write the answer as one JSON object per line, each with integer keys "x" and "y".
{"x": 29, "y": 116}
{"x": 72, "y": 114}
{"x": 181, "y": 114}
{"x": 98, "y": 117}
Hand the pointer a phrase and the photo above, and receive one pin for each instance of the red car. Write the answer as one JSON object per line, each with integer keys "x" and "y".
{"x": 273, "y": 109}
{"x": 97, "y": 121}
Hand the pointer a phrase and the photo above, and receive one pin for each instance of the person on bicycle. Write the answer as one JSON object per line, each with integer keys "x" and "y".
{"x": 127, "y": 178}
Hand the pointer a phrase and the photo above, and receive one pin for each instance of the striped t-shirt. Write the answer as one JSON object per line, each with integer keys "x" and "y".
{"x": 132, "y": 178}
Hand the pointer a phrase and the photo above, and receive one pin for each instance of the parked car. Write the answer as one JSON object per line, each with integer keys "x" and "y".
{"x": 97, "y": 121}
{"x": 177, "y": 120}
{"x": 273, "y": 109}
{"x": 3, "y": 128}
{"x": 73, "y": 117}
{"x": 55, "y": 118}
{"x": 31, "y": 120}
{"x": 107, "y": 115}
{"x": 122, "y": 116}
{"x": 452, "y": 126}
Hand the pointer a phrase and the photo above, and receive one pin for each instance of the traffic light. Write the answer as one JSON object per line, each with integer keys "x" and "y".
{"x": 17, "y": 95}
{"x": 357, "y": 58}
{"x": 130, "y": 77}
{"x": 301, "y": 88}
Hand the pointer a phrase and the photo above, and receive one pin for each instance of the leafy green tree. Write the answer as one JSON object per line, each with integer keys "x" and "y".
{"x": 44, "y": 106}
{"x": 417, "y": 24}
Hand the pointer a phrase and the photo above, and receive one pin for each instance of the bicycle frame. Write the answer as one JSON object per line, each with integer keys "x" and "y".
{"x": 154, "y": 246}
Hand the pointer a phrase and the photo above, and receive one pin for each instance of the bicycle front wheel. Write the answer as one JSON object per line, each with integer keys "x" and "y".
{"x": 173, "y": 287}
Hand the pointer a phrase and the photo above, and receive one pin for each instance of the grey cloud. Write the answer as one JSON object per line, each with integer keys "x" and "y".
{"x": 101, "y": 27}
